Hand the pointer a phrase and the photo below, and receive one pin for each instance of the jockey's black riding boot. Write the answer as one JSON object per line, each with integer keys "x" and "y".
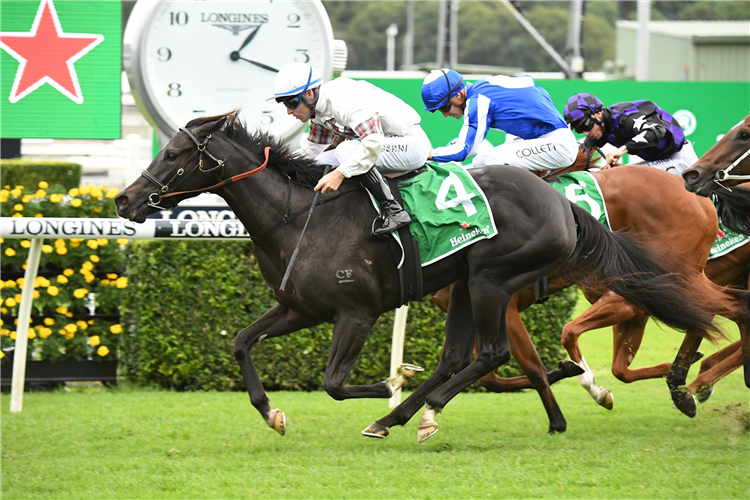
{"x": 391, "y": 213}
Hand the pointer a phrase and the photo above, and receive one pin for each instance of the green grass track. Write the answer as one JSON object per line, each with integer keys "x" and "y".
{"x": 92, "y": 443}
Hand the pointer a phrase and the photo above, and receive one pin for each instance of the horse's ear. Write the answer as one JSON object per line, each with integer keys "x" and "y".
{"x": 212, "y": 126}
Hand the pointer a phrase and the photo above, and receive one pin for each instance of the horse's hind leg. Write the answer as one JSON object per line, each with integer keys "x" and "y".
{"x": 609, "y": 310}
{"x": 627, "y": 338}
{"x": 279, "y": 320}
{"x": 489, "y": 305}
{"x": 523, "y": 350}
{"x": 455, "y": 357}
{"x": 725, "y": 362}
{"x": 349, "y": 335}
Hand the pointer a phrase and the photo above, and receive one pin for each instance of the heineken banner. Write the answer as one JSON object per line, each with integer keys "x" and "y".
{"x": 60, "y": 69}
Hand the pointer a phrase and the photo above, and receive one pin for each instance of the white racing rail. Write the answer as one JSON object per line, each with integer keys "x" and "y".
{"x": 36, "y": 229}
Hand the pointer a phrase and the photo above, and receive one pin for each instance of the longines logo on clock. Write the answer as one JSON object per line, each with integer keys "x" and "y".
{"x": 214, "y": 17}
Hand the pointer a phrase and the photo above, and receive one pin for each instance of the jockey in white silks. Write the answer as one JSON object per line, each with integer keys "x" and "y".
{"x": 541, "y": 140}
{"x": 359, "y": 129}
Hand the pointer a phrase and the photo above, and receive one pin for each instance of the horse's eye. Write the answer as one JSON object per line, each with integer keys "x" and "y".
{"x": 171, "y": 156}
{"x": 743, "y": 135}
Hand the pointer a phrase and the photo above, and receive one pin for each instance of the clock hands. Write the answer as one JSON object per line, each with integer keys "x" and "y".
{"x": 260, "y": 65}
{"x": 249, "y": 37}
{"x": 235, "y": 55}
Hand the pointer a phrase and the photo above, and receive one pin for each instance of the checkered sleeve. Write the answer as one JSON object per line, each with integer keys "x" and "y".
{"x": 371, "y": 126}
{"x": 319, "y": 134}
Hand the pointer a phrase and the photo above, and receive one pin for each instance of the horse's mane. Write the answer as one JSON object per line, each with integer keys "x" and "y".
{"x": 299, "y": 169}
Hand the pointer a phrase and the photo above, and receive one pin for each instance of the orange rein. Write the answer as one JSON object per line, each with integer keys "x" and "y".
{"x": 225, "y": 181}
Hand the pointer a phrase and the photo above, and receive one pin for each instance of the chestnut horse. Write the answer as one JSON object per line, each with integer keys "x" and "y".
{"x": 540, "y": 231}
{"x": 720, "y": 172}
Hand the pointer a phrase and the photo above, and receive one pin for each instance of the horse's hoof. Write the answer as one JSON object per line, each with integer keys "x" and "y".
{"x": 704, "y": 393}
{"x": 426, "y": 430}
{"x": 697, "y": 357}
{"x": 375, "y": 430}
{"x": 404, "y": 374}
{"x": 608, "y": 400}
{"x": 686, "y": 404}
{"x": 570, "y": 367}
{"x": 277, "y": 421}
{"x": 409, "y": 372}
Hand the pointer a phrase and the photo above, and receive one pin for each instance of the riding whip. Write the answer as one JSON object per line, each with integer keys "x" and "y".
{"x": 294, "y": 254}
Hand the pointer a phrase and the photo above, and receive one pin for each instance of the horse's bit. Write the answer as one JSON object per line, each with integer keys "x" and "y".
{"x": 723, "y": 175}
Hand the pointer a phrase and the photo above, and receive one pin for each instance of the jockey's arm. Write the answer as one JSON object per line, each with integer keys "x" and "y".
{"x": 646, "y": 130}
{"x": 473, "y": 132}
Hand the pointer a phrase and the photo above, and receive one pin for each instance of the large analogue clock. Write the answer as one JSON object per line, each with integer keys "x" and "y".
{"x": 191, "y": 58}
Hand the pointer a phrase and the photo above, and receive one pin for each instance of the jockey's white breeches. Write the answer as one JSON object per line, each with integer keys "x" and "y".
{"x": 556, "y": 149}
{"x": 399, "y": 153}
{"x": 675, "y": 164}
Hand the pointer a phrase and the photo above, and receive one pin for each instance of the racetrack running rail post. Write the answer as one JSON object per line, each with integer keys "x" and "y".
{"x": 22, "y": 333}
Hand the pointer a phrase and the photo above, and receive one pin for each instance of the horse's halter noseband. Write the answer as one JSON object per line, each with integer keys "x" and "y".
{"x": 723, "y": 175}
{"x": 164, "y": 189}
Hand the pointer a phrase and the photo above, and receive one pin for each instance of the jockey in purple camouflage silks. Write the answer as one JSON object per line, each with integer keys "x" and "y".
{"x": 639, "y": 128}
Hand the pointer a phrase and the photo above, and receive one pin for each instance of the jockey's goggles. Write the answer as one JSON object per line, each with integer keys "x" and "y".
{"x": 584, "y": 125}
{"x": 293, "y": 102}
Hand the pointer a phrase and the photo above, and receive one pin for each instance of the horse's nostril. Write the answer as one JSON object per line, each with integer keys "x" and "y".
{"x": 692, "y": 175}
{"x": 122, "y": 200}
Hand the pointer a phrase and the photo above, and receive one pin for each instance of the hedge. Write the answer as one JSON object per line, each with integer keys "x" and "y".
{"x": 71, "y": 272}
{"x": 21, "y": 172}
{"x": 188, "y": 299}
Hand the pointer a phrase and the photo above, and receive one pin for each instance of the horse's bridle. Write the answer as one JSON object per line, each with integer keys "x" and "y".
{"x": 723, "y": 175}
{"x": 166, "y": 190}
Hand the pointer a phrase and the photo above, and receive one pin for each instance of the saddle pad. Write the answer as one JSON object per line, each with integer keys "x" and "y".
{"x": 582, "y": 189}
{"x": 448, "y": 209}
{"x": 726, "y": 240}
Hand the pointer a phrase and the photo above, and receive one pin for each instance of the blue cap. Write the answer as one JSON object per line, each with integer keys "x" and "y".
{"x": 439, "y": 87}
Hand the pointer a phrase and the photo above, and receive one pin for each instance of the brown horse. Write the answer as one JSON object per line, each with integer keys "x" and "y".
{"x": 641, "y": 201}
{"x": 720, "y": 172}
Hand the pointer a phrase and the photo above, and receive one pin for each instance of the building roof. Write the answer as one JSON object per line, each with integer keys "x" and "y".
{"x": 695, "y": 29}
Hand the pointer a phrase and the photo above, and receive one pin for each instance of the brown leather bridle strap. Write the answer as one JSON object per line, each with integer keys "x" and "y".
{"x": 225, "y": 181}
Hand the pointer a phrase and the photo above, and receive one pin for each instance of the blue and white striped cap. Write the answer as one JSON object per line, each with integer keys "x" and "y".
{"x": 294, "y": 79}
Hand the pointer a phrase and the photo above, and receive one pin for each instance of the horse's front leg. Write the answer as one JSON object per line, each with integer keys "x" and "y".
{"x": 456, "y": 355}
{"x": 349, "y": 335}
{"x": 279, "y": 320}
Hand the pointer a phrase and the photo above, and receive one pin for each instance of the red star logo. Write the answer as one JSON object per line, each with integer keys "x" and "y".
{"x": 464, "y": 225}
{"x": 721, "y": 234}
{"x": 46, "y": 55}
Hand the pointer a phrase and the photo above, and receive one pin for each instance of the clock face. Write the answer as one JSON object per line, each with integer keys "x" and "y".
{"x": 191, "y": 58}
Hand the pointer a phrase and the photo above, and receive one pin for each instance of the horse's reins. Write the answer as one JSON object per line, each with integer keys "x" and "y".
{"x": 165, "y": 189}
{"x": 554, "y": 173}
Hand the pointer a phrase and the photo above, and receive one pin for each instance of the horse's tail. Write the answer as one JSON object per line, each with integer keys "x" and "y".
{"x": 606, "y": 260}
{"x": 734, "y": 208}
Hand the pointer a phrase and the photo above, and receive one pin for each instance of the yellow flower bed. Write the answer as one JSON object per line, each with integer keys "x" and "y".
{"x": 74, "y": 275}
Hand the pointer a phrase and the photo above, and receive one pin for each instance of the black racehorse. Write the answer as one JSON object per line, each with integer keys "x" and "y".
{"x": 539, "y": 231}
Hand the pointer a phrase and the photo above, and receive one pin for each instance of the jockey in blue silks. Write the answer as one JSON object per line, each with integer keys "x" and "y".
{"x": 538, "y": 137}
{"x": 640, "y": 128}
